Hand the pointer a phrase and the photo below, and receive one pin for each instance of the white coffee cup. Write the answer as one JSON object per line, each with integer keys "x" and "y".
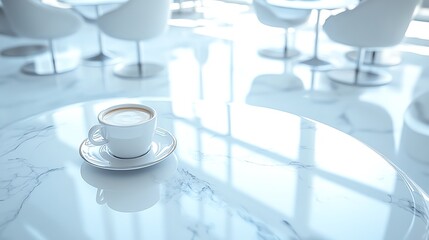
{"x": 126, "y": 129}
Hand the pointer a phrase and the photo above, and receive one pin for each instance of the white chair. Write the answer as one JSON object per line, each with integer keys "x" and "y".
{"x": 371, "y": 24}
{"x": 33, "y": 19}
{"x": 137, "y": 20}
{"x": 280, "y": 17}
{"x": 102, "y": 57}
{"x": 17, "y": 51}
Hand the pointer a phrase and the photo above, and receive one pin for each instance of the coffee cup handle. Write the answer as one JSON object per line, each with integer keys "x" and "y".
{"x": 96, "y": 135}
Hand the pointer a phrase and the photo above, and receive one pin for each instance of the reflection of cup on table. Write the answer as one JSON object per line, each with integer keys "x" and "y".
{"x": 129, "y": 191}
{"x": 127, "y": 130}
{"x": 130, "y": 200}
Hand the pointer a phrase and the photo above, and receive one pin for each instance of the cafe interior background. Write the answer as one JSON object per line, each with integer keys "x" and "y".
{"x": 212, "y": 51}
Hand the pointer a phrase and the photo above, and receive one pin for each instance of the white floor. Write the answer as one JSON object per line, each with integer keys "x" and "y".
{"x": 212, "y": 55}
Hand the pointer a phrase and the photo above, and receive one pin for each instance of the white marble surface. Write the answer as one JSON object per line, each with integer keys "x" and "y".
{"x": 212, "y": 55}
{"x": 238, "y": 172}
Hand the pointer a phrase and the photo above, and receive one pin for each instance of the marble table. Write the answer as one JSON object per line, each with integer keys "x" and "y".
{"x": 238, "y": 172}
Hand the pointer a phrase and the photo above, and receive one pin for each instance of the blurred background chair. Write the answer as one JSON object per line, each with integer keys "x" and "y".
{"x": 423, "y": 12}
{"x": 137, "y": 20}
{"x": 90, "y": 12}
{"x": 371, "y": 24}
{"x": 280, "y": 17}
{"x": 390, "y": 57}
{"x": 34, "y": 19}
{"x": 17, "y": 51}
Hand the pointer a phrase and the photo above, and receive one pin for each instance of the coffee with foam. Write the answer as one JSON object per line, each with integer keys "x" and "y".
{"x": 127, "y": 116}
{"x": 126, "y": 130}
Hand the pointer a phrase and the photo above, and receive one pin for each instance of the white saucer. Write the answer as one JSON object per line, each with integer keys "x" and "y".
{"x": 163, "y": 145}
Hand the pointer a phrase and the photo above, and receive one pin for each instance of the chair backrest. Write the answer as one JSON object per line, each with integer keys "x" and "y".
{"x": 33, "y": 19}
{"x": 372, "y": 24}
{"x": 136, "y": 20}
{"x": 279, "y": 17}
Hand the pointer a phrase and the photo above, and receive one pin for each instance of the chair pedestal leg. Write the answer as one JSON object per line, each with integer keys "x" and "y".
{"x": 364, "y": 78}
{"x": 379, "y": 58}
{"x": 102, "y": 58}
{"x": 139, "y": 69}
{"x": 41, "y": 67}
{"x": 54, "y": 64}
{"x": 360, "y": 76}
{"x": 315, "y": 62}
{"x": 280, "y": 53}
{"x": 139, "y": 60}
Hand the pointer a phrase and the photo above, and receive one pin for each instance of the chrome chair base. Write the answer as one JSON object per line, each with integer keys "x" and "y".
{"x": 101, "y": 59}
{"x": 24, "y": 50}
{"x": 278, "y": 53}
{"x": 317, "y": 64}
{"x": 381, "y": 58}
{"x": 364, "y": 78}
{"x": 146, "y": 70}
